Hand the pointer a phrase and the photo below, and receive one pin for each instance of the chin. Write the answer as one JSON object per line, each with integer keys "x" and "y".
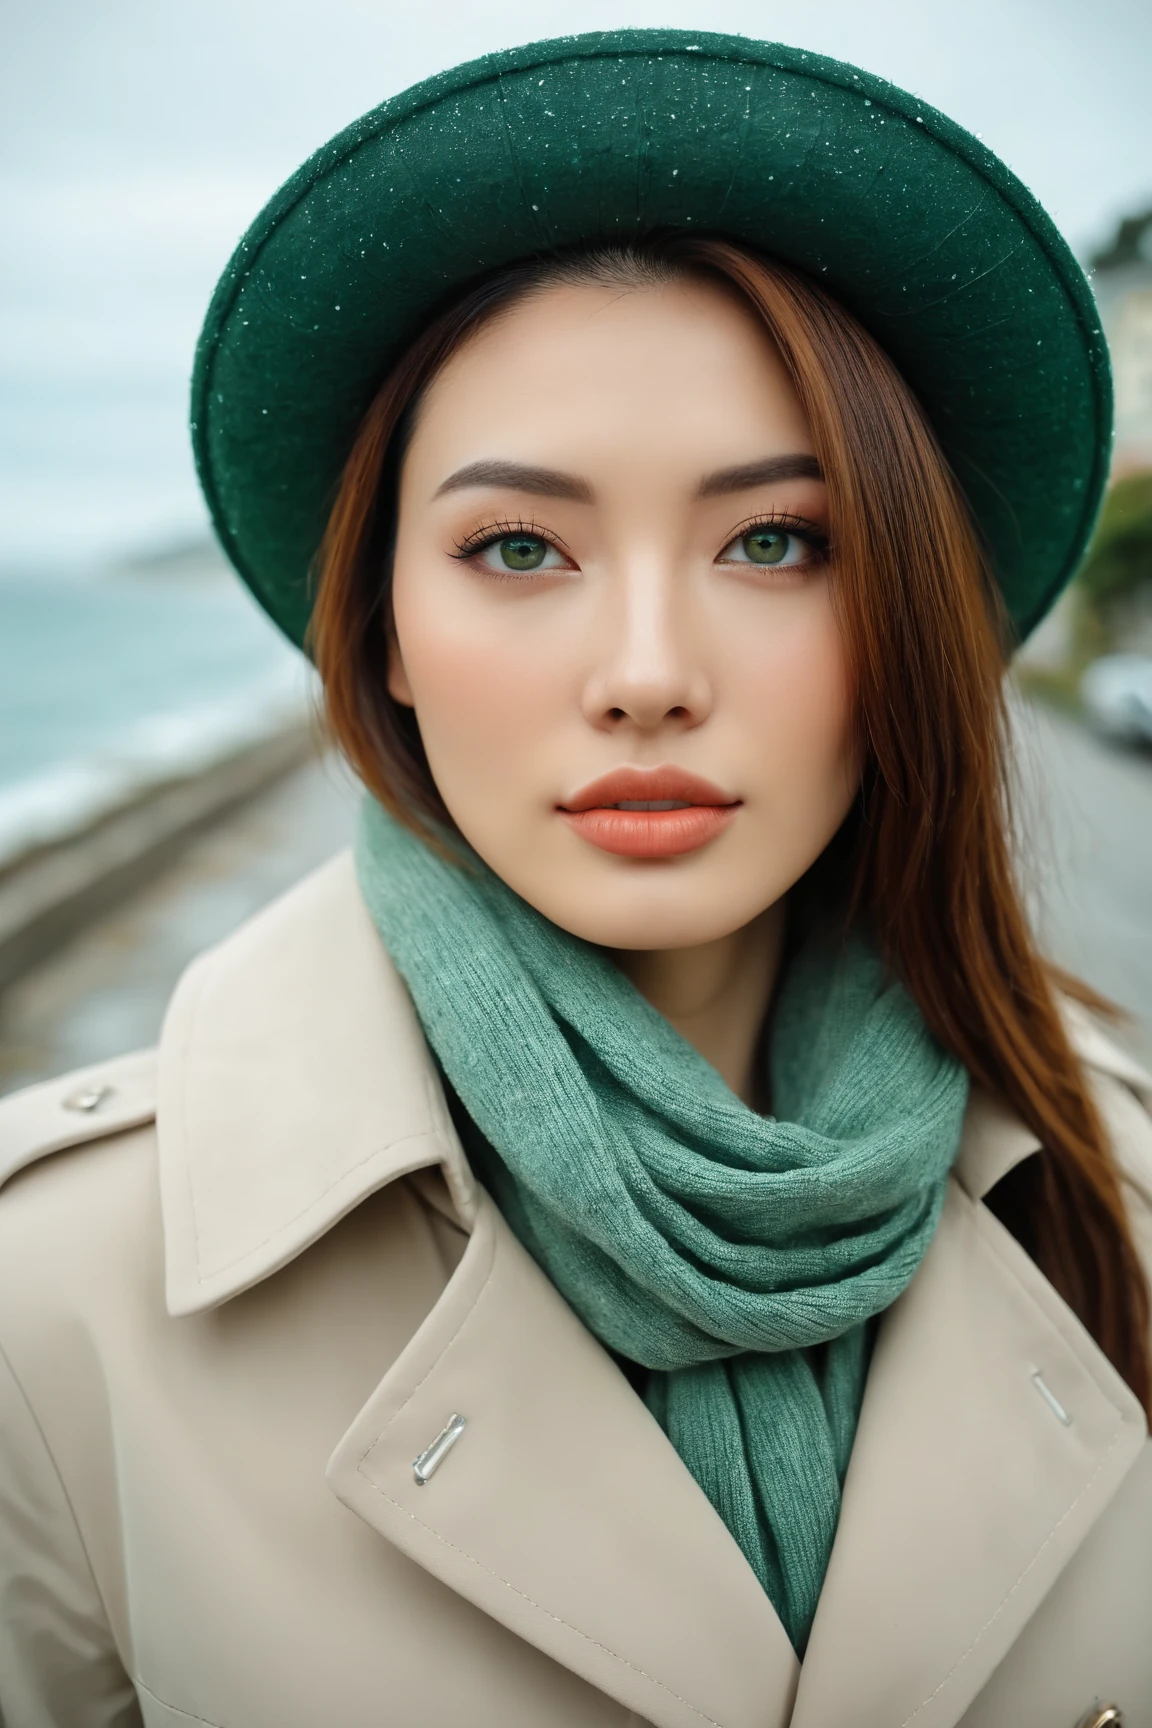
{"x": 646, "y": 917}
{"x": 643, "y": 905}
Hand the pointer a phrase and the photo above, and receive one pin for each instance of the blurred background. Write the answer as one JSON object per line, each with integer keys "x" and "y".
{"x": 161, "y": 772}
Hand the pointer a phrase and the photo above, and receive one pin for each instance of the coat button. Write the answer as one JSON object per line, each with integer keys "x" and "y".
{"x": 1103, "y": 1716}
{"x": 88, "y": 1098}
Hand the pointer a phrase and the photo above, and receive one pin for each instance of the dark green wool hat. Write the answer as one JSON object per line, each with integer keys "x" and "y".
{"x": 917, "y": 228}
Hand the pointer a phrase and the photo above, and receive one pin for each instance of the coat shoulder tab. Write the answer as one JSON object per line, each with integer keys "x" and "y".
{"x": 1096, "y": 1050}
{"x": 1123, "y": 1093}
{"x": 994, "y": 1139}
{"x": 86, "y": 1105}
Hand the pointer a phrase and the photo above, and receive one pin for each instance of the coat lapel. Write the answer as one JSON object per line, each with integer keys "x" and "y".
{"x": 993, "y": 1434}
{"x": 294, "y": 1080}
{"x": 562, "y": 1510}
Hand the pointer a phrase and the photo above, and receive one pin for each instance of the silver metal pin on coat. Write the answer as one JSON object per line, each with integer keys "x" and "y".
{"x": 432, "y": 1456}
{"x": 1050, "y": 1398}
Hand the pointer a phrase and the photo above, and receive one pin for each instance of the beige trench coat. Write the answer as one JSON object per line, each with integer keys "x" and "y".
{"x": 244, "y": 1285}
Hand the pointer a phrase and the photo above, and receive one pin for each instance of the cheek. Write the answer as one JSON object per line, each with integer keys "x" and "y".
{"x": 792, "y": 690}
{"x": 486, "y": 680}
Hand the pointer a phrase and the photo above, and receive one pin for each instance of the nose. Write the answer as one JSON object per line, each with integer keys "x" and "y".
{"x": 647, "y": 671}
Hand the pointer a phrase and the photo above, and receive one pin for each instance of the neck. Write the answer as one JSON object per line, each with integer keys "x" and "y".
{"x": 716, "y": 995}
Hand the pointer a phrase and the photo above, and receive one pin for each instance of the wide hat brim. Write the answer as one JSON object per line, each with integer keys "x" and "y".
{"x": 920, "y": 231}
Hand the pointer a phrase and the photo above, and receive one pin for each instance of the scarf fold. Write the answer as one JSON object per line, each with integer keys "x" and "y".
{"x": 739, "y": 1257}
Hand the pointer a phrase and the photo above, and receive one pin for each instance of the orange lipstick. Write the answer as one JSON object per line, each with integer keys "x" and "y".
{"x": 660, "y": 812}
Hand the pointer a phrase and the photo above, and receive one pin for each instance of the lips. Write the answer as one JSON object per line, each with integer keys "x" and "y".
{"x": 649, "y": 812}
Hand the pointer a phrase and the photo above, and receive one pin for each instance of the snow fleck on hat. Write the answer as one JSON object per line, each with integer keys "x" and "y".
{"x": 908, "y": 220}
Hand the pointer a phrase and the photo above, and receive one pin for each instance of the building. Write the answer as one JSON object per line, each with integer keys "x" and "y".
{"x": 1121, "y": 277}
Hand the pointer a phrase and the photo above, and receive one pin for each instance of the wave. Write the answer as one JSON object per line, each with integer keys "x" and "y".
{"x": 71, "y": 796}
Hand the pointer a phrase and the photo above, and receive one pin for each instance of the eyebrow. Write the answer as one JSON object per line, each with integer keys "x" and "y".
{"x": 518, "y": 477}
{"x": 763, "y": 473}
{"x": 551, "y": 483}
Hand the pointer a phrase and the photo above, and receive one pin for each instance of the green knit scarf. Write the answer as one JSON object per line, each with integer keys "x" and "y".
{"x": 739, "y": 1256}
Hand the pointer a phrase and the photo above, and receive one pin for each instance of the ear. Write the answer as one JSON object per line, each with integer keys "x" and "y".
{"x": 398, "y": 686}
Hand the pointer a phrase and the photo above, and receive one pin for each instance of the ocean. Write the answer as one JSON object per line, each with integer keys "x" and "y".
{"x": 110, "y": 684}
{"x": 120, "y": 663}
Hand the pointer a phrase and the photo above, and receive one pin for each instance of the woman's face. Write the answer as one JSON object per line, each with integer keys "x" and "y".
{"x": 611, "y": 591}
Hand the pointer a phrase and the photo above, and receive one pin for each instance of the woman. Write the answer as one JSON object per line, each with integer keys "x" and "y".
{"x": 657, "y": 1182}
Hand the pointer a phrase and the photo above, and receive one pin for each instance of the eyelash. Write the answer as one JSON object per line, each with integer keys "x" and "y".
{"x": 800, "y": 526}
{"x": 493, "y": 532}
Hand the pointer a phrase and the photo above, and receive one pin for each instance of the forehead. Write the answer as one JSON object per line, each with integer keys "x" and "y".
{"x": 687, "y": 362}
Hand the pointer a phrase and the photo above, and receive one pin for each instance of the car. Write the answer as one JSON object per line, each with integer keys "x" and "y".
{"x": 1117, "y": 694}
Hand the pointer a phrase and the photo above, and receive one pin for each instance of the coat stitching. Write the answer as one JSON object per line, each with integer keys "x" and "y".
{"x": 433, "y": 1131}
{"x": 175, "y": 1708}
{"x": 559, "y": 1620}
{"x": 996, "y": 1615}
{"x": 991, "y": 1238}
{"x": 189, "y": 1186}
{"x": 990, "y": 1247}
{"x": 432, "y": 1366}
{"x": 81, "y": 1542}
{"x": 254, "y": 1248}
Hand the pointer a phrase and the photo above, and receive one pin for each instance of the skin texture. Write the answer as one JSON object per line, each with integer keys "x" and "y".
{"x": 646, "y": 638}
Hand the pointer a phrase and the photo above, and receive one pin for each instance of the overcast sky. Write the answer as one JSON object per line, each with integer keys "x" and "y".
{"x": 139, "y": 137}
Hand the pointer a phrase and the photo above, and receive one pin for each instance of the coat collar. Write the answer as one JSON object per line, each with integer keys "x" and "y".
{"x": 993, "y": 1434}
{"x": 294, "y": 1081}
{"x": 563, "y": 1512}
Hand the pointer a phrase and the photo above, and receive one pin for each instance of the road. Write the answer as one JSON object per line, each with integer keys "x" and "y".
{"x": 106, "y": 992}
{"x": 1085, "y": 820}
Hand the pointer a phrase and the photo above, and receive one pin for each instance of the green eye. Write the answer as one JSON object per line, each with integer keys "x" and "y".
{"x": 522, "y": 552}
{"x": 766, "y": 546}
